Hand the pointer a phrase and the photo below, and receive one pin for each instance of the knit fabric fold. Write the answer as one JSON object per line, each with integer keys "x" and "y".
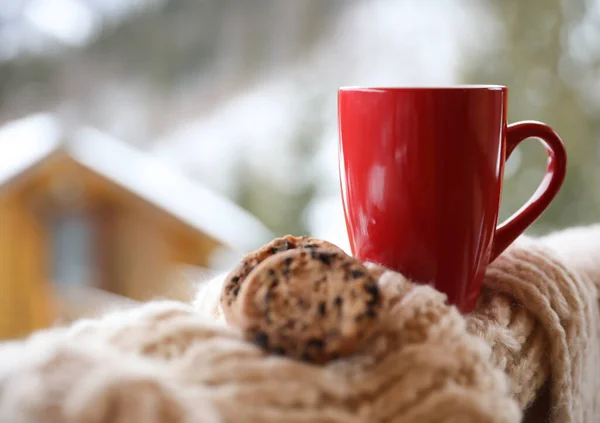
{"x": 536, "y": 324}
{"x": 539, "y": 313}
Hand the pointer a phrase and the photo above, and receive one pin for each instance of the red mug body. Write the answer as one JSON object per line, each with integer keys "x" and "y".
{"x": 421, "y": 173}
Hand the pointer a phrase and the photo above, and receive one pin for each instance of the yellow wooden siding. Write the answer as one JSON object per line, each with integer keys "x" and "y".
{"x": 24, "y": 300}
{"x": 149, "y": 244}
{"x": 10, "y": 317}
{"x": 34, "y": 268}
{"x": 190, "y": 247}
{"x": 149, "y": 247}
{"x": 141, "y": 254}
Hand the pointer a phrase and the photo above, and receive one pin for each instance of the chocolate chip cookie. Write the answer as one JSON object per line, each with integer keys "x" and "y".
{"x": 313, "y": 304}
{"x": 235, "y": 279}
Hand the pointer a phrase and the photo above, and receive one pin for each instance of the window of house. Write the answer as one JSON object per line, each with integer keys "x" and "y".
{"x": 72, "y": 245}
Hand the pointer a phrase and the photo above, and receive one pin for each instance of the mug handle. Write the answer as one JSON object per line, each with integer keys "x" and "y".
{"x": 556, "y": 169}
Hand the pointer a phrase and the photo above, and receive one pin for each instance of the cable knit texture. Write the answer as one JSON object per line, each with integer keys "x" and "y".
{"x": 535, "y": 326}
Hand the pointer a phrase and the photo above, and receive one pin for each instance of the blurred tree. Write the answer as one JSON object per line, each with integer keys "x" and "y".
{"x": 282, "y": 207}
{"x": 177, "y": 59}
{"x": 166, "y": 63}
{"x": 549, "y": 57}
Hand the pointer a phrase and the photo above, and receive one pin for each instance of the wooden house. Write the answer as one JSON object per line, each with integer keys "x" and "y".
{"x": 83, "y": 212}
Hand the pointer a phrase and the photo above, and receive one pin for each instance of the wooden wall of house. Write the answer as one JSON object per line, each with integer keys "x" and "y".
{"x": 25, "y": 303}
{"x": 149, "y": 245}
{"x": 188, "y": 248}
{"x": 141, "y": 253}
{"x": 144, "y": 245}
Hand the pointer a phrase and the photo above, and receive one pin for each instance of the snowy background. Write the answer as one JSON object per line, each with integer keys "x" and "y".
{"x": 241, "y": 95}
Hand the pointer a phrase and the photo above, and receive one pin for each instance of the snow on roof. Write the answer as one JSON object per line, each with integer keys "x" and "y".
{"x": 26, "y": 142}
{"x": 162, "y": 185}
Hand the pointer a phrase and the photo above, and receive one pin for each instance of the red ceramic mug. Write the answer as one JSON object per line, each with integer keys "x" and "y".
{"x": 421, "y": 174}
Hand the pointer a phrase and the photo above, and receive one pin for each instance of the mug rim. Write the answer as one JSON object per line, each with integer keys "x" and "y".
{"x": 359, "y": 88}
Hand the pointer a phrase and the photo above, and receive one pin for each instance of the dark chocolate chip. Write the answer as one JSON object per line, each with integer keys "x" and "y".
{"x": 273, "y": 250}
{"x": 374, "y": 291}
{"x": 315, "y": 343}
{"x": 261, "y": 339}
{"x": 235, "y": 290}
{"x": 338, "y": 301}
{"x": 235, "y": 279}
{"x": 371, "y": 313}
{"x": 322, "y": 309}
{"x": 356, "y": 273}
{"x": 271, "y": 272}
{"x": 286, "y": 270}
{"x": 325, "y": 258}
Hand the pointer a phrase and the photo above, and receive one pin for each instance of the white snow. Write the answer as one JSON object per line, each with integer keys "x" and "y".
{"x": 26, "y": 141}
{"x": 254, "y": 127}
{"x": 167, "y": 188}
{"x": 71, "y": 21}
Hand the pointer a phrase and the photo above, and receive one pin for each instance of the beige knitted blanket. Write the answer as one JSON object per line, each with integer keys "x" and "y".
{"x": 530, "y": 352}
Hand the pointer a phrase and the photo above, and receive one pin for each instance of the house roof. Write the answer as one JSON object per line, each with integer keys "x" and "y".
{"x": 28, "y": 141}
